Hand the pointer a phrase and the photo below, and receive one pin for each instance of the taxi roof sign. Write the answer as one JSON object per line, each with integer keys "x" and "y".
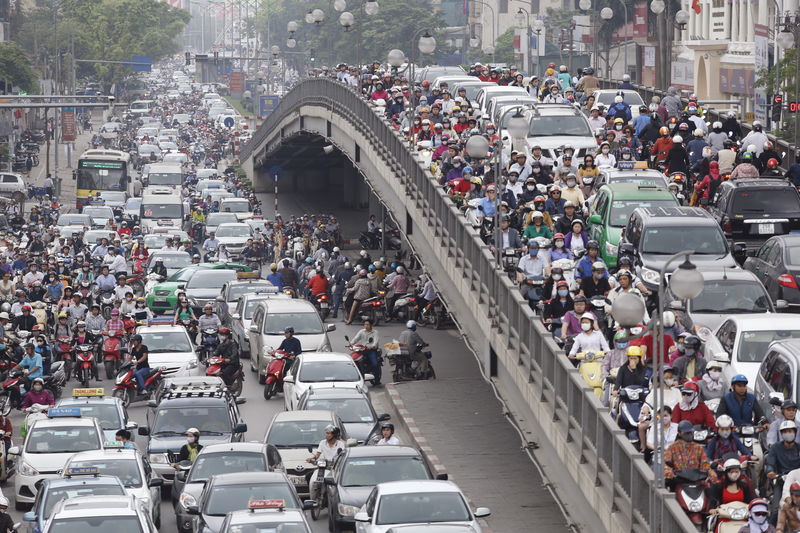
{"x": 96, "y": 391}
{"x": 82, "y": 471}
{"x": 266, "y": 504}
{"x": 113, "y": 444}
{"x": 247, "y": 275}
{"x": 631, "y": 165}
{"x": 64, "y": 412}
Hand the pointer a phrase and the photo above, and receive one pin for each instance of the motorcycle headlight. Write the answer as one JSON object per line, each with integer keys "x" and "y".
{"x": 695, "y": 506}
{"x": 651, "y": 276}
{"x": 158, "y": 458}
{"x": 739, "y": 514}
{"x": 121, "y": 378}
{"x": 187, "y": 500}
{"x": 347, "y": 510}
{"x": 27, "y": 470}
{"x": 611, "y": 249}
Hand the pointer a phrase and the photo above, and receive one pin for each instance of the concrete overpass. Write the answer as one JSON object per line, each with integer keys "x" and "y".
{"x": 603, "y": 480}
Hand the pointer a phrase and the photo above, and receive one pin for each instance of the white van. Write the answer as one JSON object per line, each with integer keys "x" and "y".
{"x": 163, "y": 175}
{"x": 162, "y": 209}
{"x": 141, "y": 107}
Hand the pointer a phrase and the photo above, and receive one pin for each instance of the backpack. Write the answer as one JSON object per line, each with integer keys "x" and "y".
{"x": 620, "y": 112}
{"x": 713, "y": 185}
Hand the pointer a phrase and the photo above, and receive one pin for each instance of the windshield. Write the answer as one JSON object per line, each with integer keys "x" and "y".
{"x": 175, "y": 421}
{"x": 303, "y": 323}
{"x": 183, "y": 274}
{"x": 55, "y": 495}
{"x": 356, "y": 410}
{"x": 173, "y": 260}
{"x": 133, "y": 204}
{"x": 234, "y": 231}
{"x": 783, "y": 200}
{"x": 704, "y": 240}
{"x": 213, "y": 279}
{"x": 227, "y": 498}
{"x": 753, "y": 344}
{"x": 236, "y": 207}
{"x": 168, "y": 341}
{"x": 324, "y": 371}
{"x": 731, "y": 296}
{"x": 236, "y": 291}
{"x": 300, "y": 434}
{"x": 98, "y": 212}
{"x": 106, "y": 414}
{"x": 275, "y": 525}
{"x": 69, "y": 219}
{"x": 112, "y": 196}
{"x": 165, "y": 178}
{"x": 126, "y": 470}
{"x": 211, "y": 464}
{"x": 422, "y": 508}
{"x": 641, "y": 179}
{"x": 62, "y": 440}
{"x": 621, "y": 210}
{"x": 215, "y": 219}
{"x": 102, "y": 175}
{"x": 162, "y": 211}
{"x": 97, "y": 524}
{"x": 631, "y": 98}
{"x": 370, "y": 472}
{"x": 568, "y": 125}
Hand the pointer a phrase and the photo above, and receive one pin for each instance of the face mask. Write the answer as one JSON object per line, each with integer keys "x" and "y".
{"x": 563, "y": 293}
{"x": 556, "y": 277}
{"x": 621, "y": 345}
{"x": 681, "y": 348}
{"x": 490, "y": 131}
{"x": 129, "y": 298}
{"x": 626, "y": 156}
{"x": 533, "y": 253}
{"x": 456, "y": 165}
{"x": 618, "y": 128}
{"x": 689, "y": 351}
{"x": 37, "y": 388}
{"x": 788, "y": 436}
{"x": 512, "y": 179}
{"x": 571, "y": 184}
{"x": 669, "y": 382}
{"x": 559, "y": 244}
{"x": 597, "y": 275}
{"x": 714, "y": 374}
{"x": 733, "y": 476}
{"x": 605, "y": 150}
{"x": 139, "y": 305}
{"x": 724, "y": 433}
{"x": 537, "y": 170}
{"x": 530, "y": 187}
{"x": 758, "y": 519}
{"x": 585, "y": 326}
{"x": 190, "y": 440}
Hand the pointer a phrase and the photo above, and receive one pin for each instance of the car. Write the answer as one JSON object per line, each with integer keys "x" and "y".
{"x": 632, "y": 98}
{"x": 108, "y": 410}
{"x": 205, "y": 285}
{"x": 114, "y": 199}
{"x": 450, "y": 81}
{"x": 13, "y": 184}
{"x": 234, "y": 236}
{"x": 553, "y": 126}
{"x": 293, "y": 433}
{"x": 777, "y": 264}
{"x": 121, "y": 514}
{"x": 245, "y": 283}
{"x": 432, "y": 72}
{"x": 68, "y": 224}
{"x": 271, "y": 318}
{"x": 505, "y": 107}
{"x": 101, "y": 215}
{"x": 654, "y": 234}
{"x": 213, "y": 220}
{"x": 753, "y": 210}
{"x": 173, "y": 260}
{"x": 612, "y": 207}
{"x": 170, "y": 347}
{"x": 144, "y": 150}
{"x": 240, "y": 206}
{"x": 487, "y": 94}
{"x": 215, "y": 459}
{"x": 357, "y": 470}
{"x": 158, "y": 239}
{"x": 637, "y": 173}
{"x": 320, "y": 369}
{"x": 94, "y": 235}
{"x": 728, "y": 292}
{"x": 239, "y": 320}
{"x": 742, "y": 341}
{"x": 71, "y": 485}
{"x": 225, "y": 493}
{"x": 266, "y": 515}
{"x": 174, "y": 156}
{"x": 211, "y": 410}
{"x": 131, "y": 468}
{"x": 257, "y": 223}
{"x": 183, "y": 118}
{"x": 163, "y": 297}
{"x": 217, "y": 195}
{"x": 778, "y": 374}
{"x": 47, "y": 447}
{"x": 209, "y": 182}
{"x": 351, "y": 404}
{"x": 203, "y": 173}
{"x": 398, "y": 503}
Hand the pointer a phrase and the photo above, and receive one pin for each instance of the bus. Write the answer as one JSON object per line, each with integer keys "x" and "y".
{"x": 101, "y": 170}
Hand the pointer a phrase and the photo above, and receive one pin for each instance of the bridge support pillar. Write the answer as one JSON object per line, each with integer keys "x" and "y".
{"x": 350, "y": 185}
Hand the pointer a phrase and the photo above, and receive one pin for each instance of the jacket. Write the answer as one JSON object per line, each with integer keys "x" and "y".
{"x": 788, "y": 517}
{"x": 782, "y": 459}
{"x": 318, "y": 285}
{"x": 744, "y": 413}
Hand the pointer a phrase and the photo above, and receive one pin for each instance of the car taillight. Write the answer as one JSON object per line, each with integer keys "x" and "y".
{"x": 787, "y": 280}
{"x": 727, "y": 225}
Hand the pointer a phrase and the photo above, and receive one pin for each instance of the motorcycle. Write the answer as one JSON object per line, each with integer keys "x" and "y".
{"x": 56, "y": 380}
{"x": 510, "y": 261}
{"x": 631, "y": 400}
{"x": 690, "y": 491}
{"x": 322, "y": 303}
{"x": 403, "y": 366}
{"x": 35, "y": 412}
{"x": 84, "y": 363}
{"x": 11, "y": 395}
{"x": 373, "y": 309}
{"x": 208, "y": 344}
{"x": 64, "y": 354}
{"x": 406, "y": 307}
{"x": 435, "y": 314}
{"x": 729, "y": 518}
{"x": 126, "y": 387}
{"x": 215, "y": 365}
{"x": 317, "y": 490}
{"x": 105, "y": 299}
{"x": 274, "y": 373}
{"x": 359, "y": 358}
{"x": 112, "y": 352}
{"x": 590, "y": 369}
{"x": 191, "y": 327}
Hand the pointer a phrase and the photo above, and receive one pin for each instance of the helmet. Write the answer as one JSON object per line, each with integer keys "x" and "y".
{"x": 26, "y": 307}
{"x": 411, "y": 324}
{"x": 634, "y": 351}
{"x": 668, "y": 319}
{"x": 690, "y": 386}
{"x": 772, "y": 163}
{"x": 738, "y": 378}
{"x": 756, "y": 502}
{"x": 794, "y": 489}
{"x": 663, "y": 130}
{"x": 677, "y": 139}
{"x": 224, "y": 331}
{"x": 624, "y": 272}
{"x": 193, "y": 431}
{"x": 787, "y": 424}
{"x": 388, "y": 425}
{"x": 768, "y": 145}
{"x": 134, "y": 338}
{"x": 626, "y": 77}
{"x": 290, "y": 329}
{"x": 82, "y": 324}
{"x": 619, "y": 121}
{"x": 590, "y": 244}
{"x": 562, "y": 68}
{"x": 747, "y": 156}
{"x": 732, "y": 462}
{"x": 685, "y": 427}
{"x": 698, "y": 132}
{"x": 598, "y": 265}
{"x": 692, "y": 342}
{"x": 724, "y": 421}
{"x": 618, "y": 99}
{"x": 330, "y": 428}
{"x": 38, "y": 380}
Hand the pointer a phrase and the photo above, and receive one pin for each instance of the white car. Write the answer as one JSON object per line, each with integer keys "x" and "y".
{"x": 553, "y": 126}
{"x": 48, "y": 446}
{"x": 128, "y": 465}
{"x": 174, "y": 260}
{"x": 171, "y": 348}
{"x": 404, "y": 503}
{"x": 13, "y": 184}
{"x": 121, "y": 514}
{"x": 326, "y": 369}
{"x": 101, "y": 215}
{"x": 240, "y": 206}
{"x": 742, "y": 340}
{"x": 242, "y": 315}
{"x": 234, "y": 236}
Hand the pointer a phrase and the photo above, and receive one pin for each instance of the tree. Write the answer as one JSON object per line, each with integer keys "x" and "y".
{"x": 503, "y": 49}
{"x": 15, "y": 67}
{"x": 782, "y": 76}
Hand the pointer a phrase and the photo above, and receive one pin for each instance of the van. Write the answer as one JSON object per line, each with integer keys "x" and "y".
{"x": 778, "y": 374}
{"x": 141, "y": 107}
{"x": 272, "y": 317}
{"x": 163, "y": 175}
{"x": 162, "y": 210}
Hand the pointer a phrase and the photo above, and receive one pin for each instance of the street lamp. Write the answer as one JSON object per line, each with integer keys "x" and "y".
{"x": 682, "y": 18}
{"x": 606, "y": 13}
{"x": 585, "y": 5}
{"x": 309, "y": 17}
{"x": 292, "y": 26}
{"x": 396, "y": 58}
{"x": 371, "y": 7}
{"x": 657, "y": 6}
{"x": 426, "y": 44}
{"x": 339, "y": 5}
{"x": 275, "y": 49}
{"x": 291, "y": 42}
{"x": 318, "y": 15}
{"x": 346, "y": 20}
{"x": 523, "y": 19}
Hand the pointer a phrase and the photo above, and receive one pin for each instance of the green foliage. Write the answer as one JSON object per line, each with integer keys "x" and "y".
{"x": 782, "y": 76}
{"x": 15, "y": 67}
{"x": 503, "y": 49}
{"x": 560, "y": 18}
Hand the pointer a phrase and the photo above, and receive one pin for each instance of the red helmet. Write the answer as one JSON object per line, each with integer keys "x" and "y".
{"x": 224, "y": 331}
{"x": 552, "y": 65}
{"x": 768, "y": 145}
{"x": 772, "y": 163}
{"x": 795, "y": 487}
{"x": 690, "y": 386}
{"x": 558, "y": 236}
{"x": 26, "y": 307}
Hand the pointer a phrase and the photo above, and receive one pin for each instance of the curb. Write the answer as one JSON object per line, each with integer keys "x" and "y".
{"x": 405, "y": 419}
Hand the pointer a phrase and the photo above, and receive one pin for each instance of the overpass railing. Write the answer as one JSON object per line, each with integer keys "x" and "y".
{"x": 581, "y": 423}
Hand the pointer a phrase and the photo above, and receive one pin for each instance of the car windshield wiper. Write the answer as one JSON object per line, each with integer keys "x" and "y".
{"x": 204, "y": 432}
{"x": 168, "y": 432}
{"x": 753, "y": 209}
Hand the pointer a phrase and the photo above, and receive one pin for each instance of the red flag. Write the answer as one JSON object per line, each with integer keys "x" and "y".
{"x": 696, "y": 6}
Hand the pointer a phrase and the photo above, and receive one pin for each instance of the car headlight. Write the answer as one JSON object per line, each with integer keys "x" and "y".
{"x": 326, "y": 347}
{"x": 611, "y": 249}
{"x": 187, "y": 500}
{"x": 651, "y": 276}
{"x": 158, "y": 458}
{"x": 27, "y": 470}
{"x": 192, "y": 364}
{"x": 347, "y": 510}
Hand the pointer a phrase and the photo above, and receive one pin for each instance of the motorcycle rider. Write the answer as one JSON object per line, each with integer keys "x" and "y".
{"x": 782, "y": 458}
{"x": 713, "y": 384}
{"x": 317, "y": 285}
{"x": 740, "y": 404}
{"x": 732, "y": 487}
{"x": 756, "y": 137}
{"x": 684, "y": 453}
{"x": 691, "y": 409}
{"x": 387, "y": 436}
{"x": 25, "y": 321}
{"x": 139, "y": 352}
{"x": 371, "y": 340}
{"x": 228, "y": 350}
{"x": 37, "y": 394}
{"x": 590, "y": 338}
{"x": 411, "y": 345}
{"x": 725, "y": 442}
{"x": 692, "y": 363}
{"x": 192, "y": 448}
{"x": 340, "y": 279}
{"x": 532, "y": 266}
{"x": 209, "y": 319}
{"x": 746, "y": 169}
{"x": 788, "y": 412}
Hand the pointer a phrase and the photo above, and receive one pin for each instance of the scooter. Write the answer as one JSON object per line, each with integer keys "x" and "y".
{"x": 373, "y": 309}
{"x": 215, "y": 365}
{"x": 729, "y": 518}
{"x": 406, "y": 307}
{"x": 106, "y": 301}
{"x": 323, "y": 305}
{"x": 360, "y": 359}
{"x": 690, "y": 491}
{"x": 208, "y": 344}
{"x": 591, "y": 370}
{"x": 112, "y": 352}
{"x": 191, "y": 327}
{"x": 35, "y": 412}
{"x": 64, "y": 354}
{"x": 317, "y": 490}
{"x": 84, "y": 363}
{"x": 11, "y": 395}
{"x": 631, "y": 400}
{"x": 274, "y": 373}
{"x": 126, "y": 388}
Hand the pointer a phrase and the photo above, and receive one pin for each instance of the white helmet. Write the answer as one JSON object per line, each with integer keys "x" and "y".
{"x": 618, "y": 99}
{"x": 724, "y": 421}
{"x": 731, "y": 463}
{"x": 677, "y": 139}
{"x": 336, "y": 249}
{"x": 626, "y": 77}
{"x": 751, "y": 148}
{"x": 3, "y": 501}
{"x": 411, "y": 324}
{"x": 698, "y": 132}
{"x": 717, "y": 124}
{"x": 668, "y": 318}
{"x": 787, "y": 424}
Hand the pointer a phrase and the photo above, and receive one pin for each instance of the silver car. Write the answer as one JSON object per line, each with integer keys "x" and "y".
{"x": 239, "y": 320}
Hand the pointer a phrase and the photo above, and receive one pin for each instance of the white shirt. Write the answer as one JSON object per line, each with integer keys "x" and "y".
{"x": 592, "y": 341}
{"x": 115, "y": 263}
{"x": 393, "y": 441}
{"x": 670, "y": 434}
{"x": 597, "y": 123}
{"x": 602, "y": 159}
{"x": 329, "y": 452}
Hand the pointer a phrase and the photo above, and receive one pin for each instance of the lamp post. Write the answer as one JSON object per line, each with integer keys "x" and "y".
{"x": 524, "y": 21}
{"x": 346, "y": 20}
{"x": 660, "y": 9}
{"x": 395, "y": 58}
{"x": 788, "y": 39}
{"x": 538, "y": 28}
{"x": 426, "y": 45}
{"x": 606, "y": 14}
{"x": 491, "y": 10}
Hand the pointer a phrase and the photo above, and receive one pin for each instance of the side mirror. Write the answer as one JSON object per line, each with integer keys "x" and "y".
{"x": 384, "y": 417}
{"x": 739, "y": 248}
{"x": 594, "y": 218}
{"x": 30, "y": 516}
{"x": 288, "y": 379}
{"x": 14, "y": 450}
{"x": 330, "y": 327}
{"x": 180, "y": 476}
{"x": 309, "y": 504}
{"x": 721, "y": 357}
{"x": 182, "y": 286}
{"x": 329, "y": 481}
{"x": 158, "y": 482}
{"x": 240, "y": 428}
{"x": 368, "y": 377}
{"x": 144, "y": 431}
{"x": 482, "y": 512}
{"x": 361, "y": 516}
{"x": 351, "y": 443}
{"x": 781, "y": 304}
{"x": 220, "y": 298}
{"x": 131, "y": 424}
{"x": 253, "y": 329}
{"x": 442, "y": 477}
{"x": 236, "y": 316}
{"x": 240, "y": 400}
{"x": 193, "y": 510}
{"x": 153, "y": 404}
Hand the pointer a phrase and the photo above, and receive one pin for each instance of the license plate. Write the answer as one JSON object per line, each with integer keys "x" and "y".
{"x": 298, "y": 480}
{"x": 160, "y": 300}
{"x": 766, "y": 229}
{"x": 323, "y": 305}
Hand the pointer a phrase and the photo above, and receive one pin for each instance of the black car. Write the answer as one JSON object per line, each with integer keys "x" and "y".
{"x": 356, "y": 472}
{"x": 353, "y": 407}
{"x": 777, "y": 264}
{"x": 753, "y": 210}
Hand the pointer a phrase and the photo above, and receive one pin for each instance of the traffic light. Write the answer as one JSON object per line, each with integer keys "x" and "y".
{"x": 188, "y": 57}
{"x": 777, "y": 107}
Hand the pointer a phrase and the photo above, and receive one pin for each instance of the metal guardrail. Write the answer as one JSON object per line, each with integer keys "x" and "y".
{"x": 580, "y": 422}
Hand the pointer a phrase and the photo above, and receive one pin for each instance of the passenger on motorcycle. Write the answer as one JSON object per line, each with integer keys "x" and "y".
{"x": 590, "y": 338}
{"x": 556, "y": 307}
{"x": 669, "y": 429}
{"x": 634, "y": 373}
{"x": 596, "y": 284}
{"x": 713, "y": 383}
{"x": 691, "y": 364}
{"x": 789, "y": 513}
{"x": 741, "y": 405}
{"x": 725, "y": 442}
{"x": 745, "y": 169}
{"x": 684, "y": 453}
{"x": 691, "y": 409}
{"x": 782, "y": 458}
{"x": 788, "y": 412}
{"x": 370, "y": 339}
{"x": 732, "y": 486}
{"x": 317, "y": 285}
{"x": 571, "y": 323}
{"x": 532, "y": 267}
